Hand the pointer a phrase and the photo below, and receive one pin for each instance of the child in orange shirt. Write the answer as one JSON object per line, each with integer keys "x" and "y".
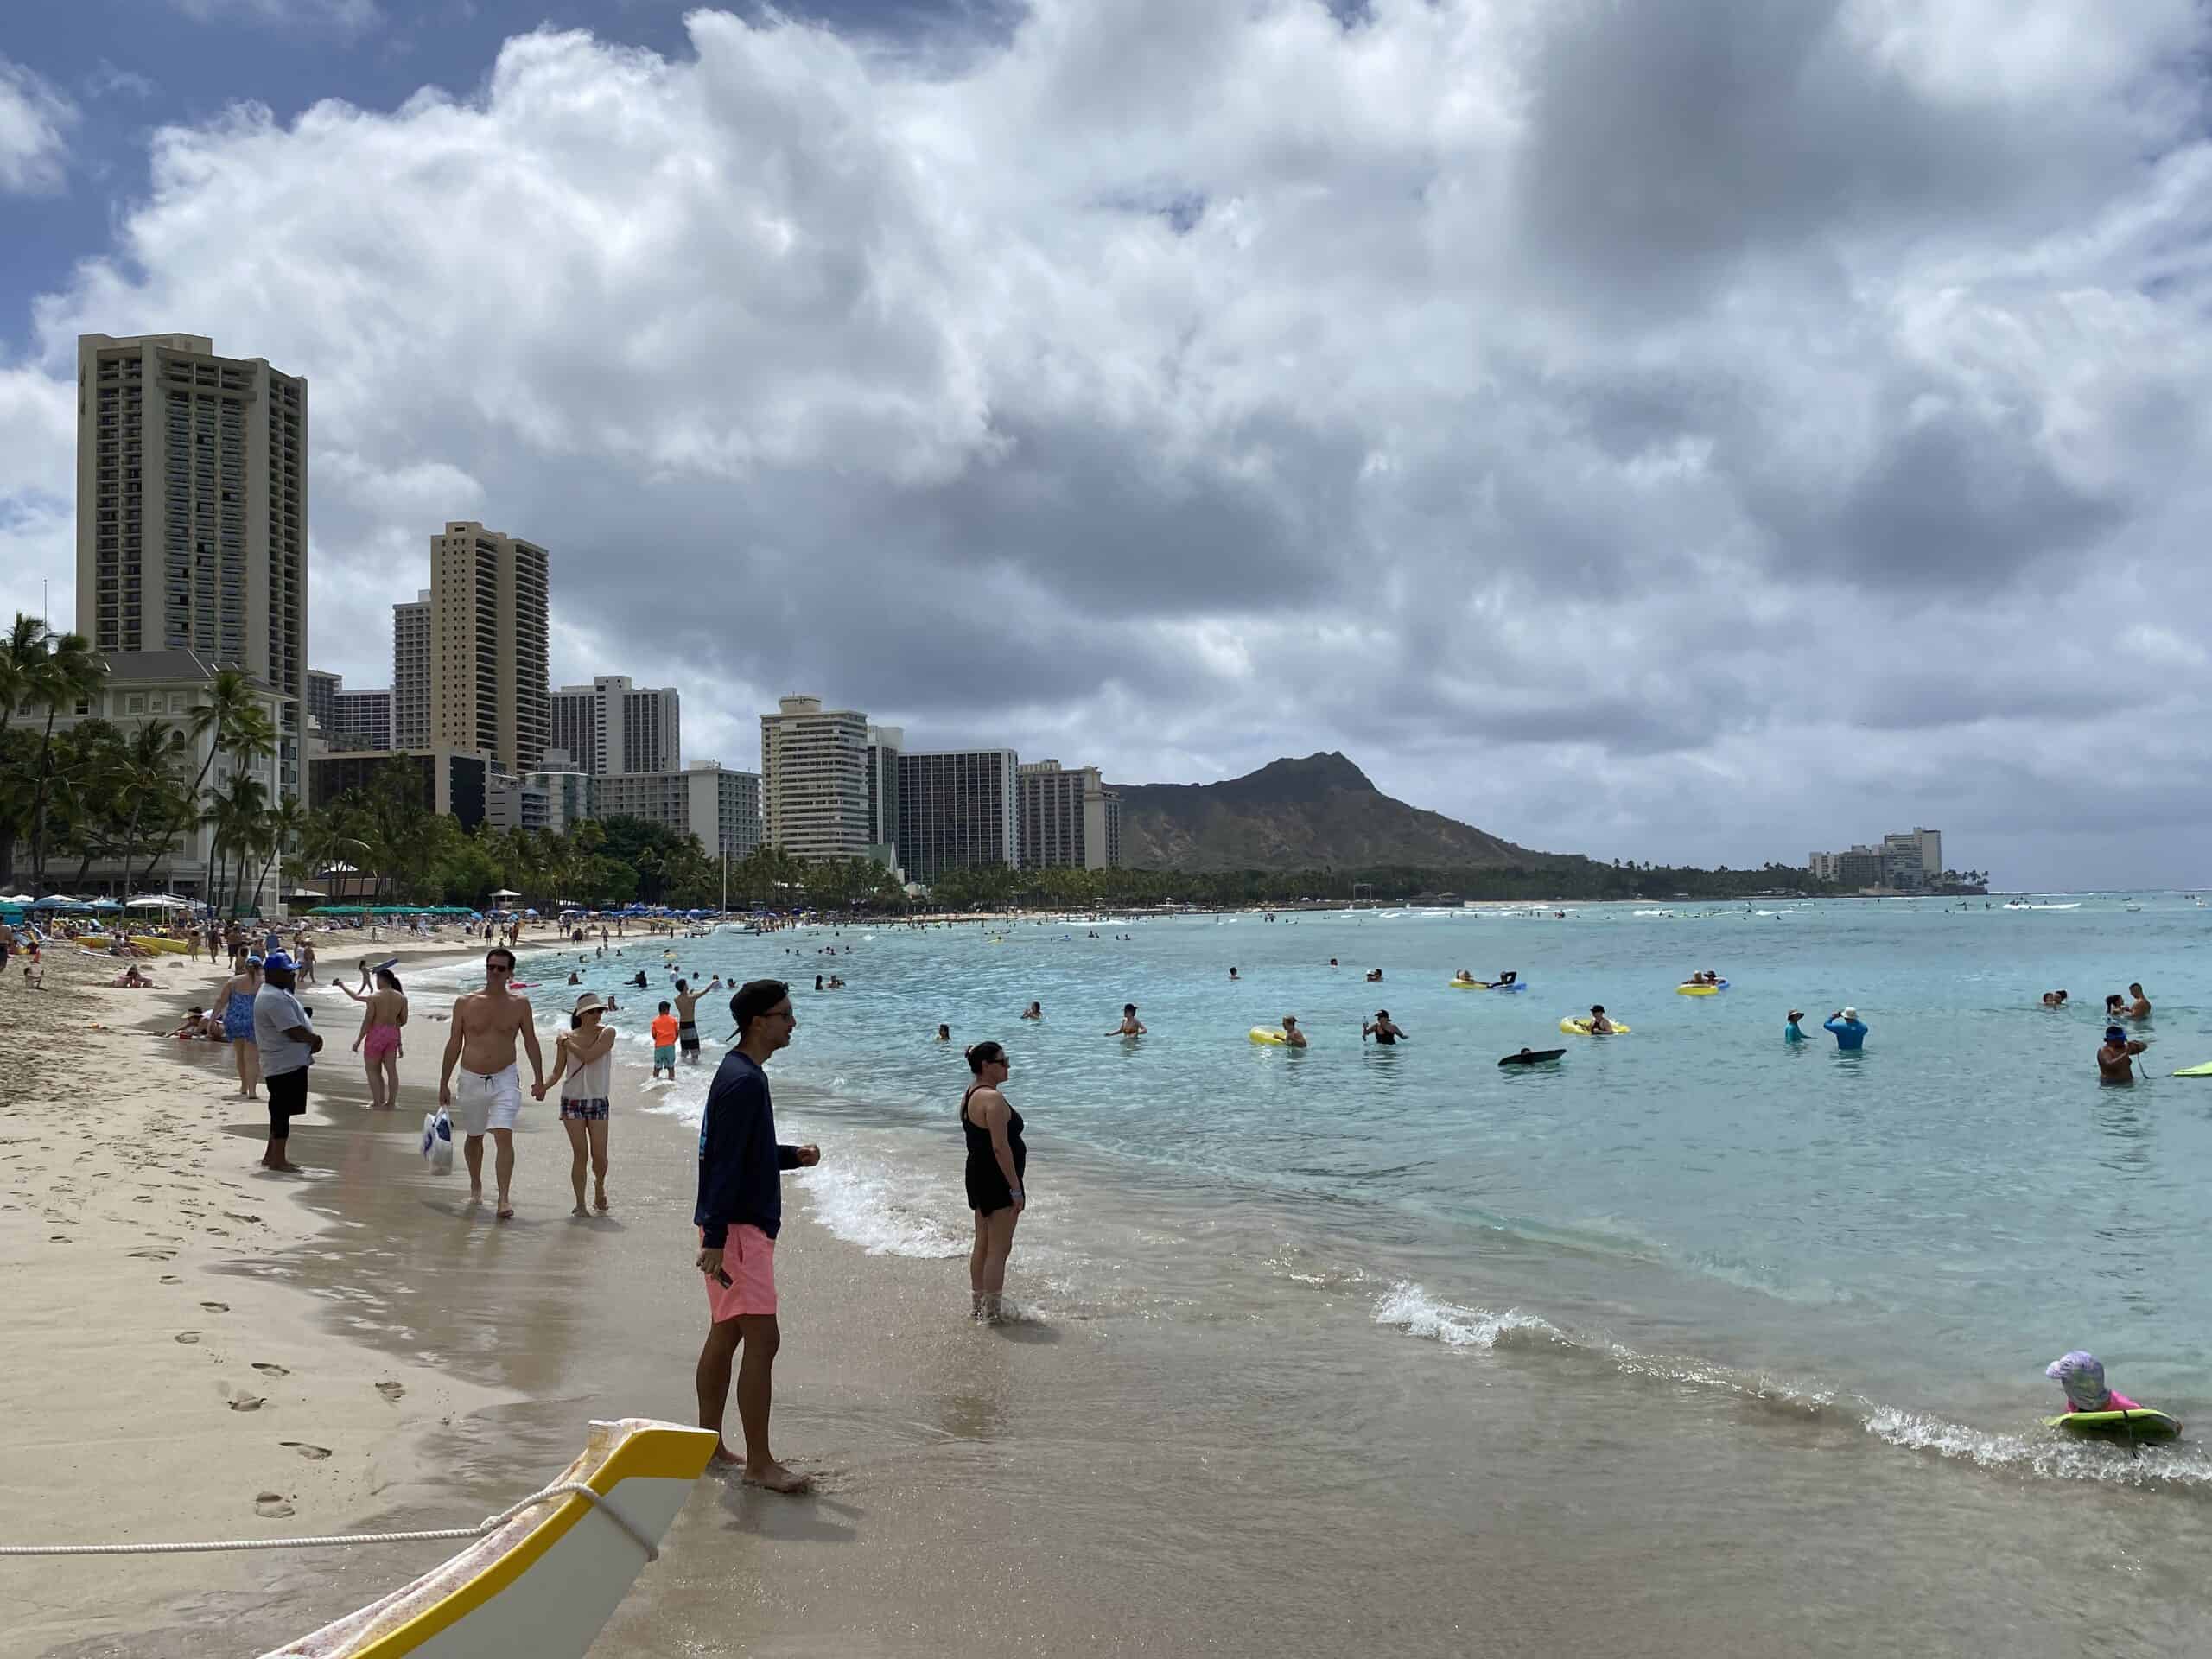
{"x": 665, "y": 1042}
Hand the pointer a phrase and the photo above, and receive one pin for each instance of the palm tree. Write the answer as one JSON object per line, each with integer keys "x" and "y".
{"x": 66, "y": 674}
{"x": 232, "y": 721}
{"x": 280, "y": 831}
{"x": 235, "y": 814}
{"x": 149, "y": 782}
{"x": 20, "y": 653}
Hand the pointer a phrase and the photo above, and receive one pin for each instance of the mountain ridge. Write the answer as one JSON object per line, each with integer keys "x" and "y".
{"x": 1300, "y": 812}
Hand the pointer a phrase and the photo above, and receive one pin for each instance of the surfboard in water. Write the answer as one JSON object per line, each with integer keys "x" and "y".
{"x": 1534, "y": 1057}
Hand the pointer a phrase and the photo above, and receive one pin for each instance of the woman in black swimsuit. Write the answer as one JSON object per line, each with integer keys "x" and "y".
{"x": 996, "y": 1161}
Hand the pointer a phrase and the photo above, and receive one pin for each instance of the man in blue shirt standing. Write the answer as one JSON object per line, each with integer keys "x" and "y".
{"x": 740, "y": 1212}
{"x": 287, "y": 1043}
{"x": 1850, "y": 1030}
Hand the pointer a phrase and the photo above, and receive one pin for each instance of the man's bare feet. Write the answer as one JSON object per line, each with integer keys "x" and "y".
{"x": 725, "y": 1458}
{"x": 476, "y": 1195}
{"x": 506, "y": 1212}
{"x": 776, "y": 1478}
{"x": 602, "y": 1204}
{"x": 580, "y": 1211}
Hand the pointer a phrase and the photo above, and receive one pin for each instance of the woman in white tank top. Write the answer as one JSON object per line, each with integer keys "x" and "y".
{"x": 584, "y": 1064}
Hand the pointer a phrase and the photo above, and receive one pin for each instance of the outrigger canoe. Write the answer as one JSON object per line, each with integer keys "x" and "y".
{"x": 144, "y": 940}
{"x": 543, "y": 1585}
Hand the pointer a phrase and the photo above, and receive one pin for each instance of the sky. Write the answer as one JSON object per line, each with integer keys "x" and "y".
{"x": 1693, "y": 430}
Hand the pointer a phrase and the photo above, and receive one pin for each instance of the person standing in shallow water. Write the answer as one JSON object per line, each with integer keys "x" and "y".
{"x": 997, "y": 1160}
{"x": 739, "y": 1213}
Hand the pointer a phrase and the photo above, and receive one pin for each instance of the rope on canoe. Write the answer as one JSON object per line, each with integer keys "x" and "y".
{"x": 565, "y": 1489}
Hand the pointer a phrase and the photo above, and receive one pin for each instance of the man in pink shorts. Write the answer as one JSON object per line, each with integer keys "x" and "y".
{"x": 740, "y": 1212}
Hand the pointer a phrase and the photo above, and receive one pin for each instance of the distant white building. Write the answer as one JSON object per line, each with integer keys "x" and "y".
{"x": 718, "y": 805}
{"x": 611, "y": 726}
{"x": 814, "y": 779}
{"x": 143, "y": 686}
{"x": 1069, "y": 818}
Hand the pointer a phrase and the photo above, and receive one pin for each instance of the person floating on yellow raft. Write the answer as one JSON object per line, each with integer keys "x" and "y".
{"x": 2092, "y": 1408}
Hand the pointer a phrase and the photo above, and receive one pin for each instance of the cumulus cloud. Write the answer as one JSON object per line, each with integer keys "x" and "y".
{"x": 1681, "y": 429}
{"x": 36, "y": 118}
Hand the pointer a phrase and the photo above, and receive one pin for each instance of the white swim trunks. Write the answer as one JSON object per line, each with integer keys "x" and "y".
{"x": 482, "y": 1103}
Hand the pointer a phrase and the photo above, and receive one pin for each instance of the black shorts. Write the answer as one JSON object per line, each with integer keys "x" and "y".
{"x": 288, "y": 1098}
{"x": 688, "y": 1036}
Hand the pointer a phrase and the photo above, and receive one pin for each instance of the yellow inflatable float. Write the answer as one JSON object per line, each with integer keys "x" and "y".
{"x": 1262, "y": 1034}
{"x": 1581, "y": 1029}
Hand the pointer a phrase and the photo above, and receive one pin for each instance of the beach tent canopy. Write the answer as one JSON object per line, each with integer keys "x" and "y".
{"x": 504, "y": 892}
{"x": 157, "y": 901}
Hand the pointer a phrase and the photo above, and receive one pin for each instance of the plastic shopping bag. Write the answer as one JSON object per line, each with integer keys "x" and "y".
{"x": 437, "y": 1141}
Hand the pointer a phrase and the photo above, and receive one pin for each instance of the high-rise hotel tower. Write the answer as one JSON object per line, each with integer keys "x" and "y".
{"x": 191, "y": 513}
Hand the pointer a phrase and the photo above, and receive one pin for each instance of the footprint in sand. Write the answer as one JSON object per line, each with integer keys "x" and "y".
{"x": 248, "y": 1402}
{"x": 272, "y": 1504}
{"x": 188, "y": 1337}
{"x": 152, "y": 1255}
{"x": 267, "y": 1369}
{"x": 392, "y": 1390}
{"x": 172, "y": 1279}
{"x": 216, "y": 1307}
{"x": 312, "y": 1453}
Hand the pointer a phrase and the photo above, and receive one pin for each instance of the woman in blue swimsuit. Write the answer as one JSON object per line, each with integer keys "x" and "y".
{"x": 238, "y": 992}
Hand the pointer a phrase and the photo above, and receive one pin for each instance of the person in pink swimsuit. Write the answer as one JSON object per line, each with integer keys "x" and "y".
{"x": 384, "y": 1011}
{"x": 2081, "y": 1374}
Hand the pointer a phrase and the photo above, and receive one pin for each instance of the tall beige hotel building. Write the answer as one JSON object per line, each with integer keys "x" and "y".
{"x": 482, "y": 684}
{"x": 191, "y": 514}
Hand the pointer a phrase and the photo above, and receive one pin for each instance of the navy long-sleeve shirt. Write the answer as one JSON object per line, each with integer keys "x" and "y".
{"x": 741, "y": 1165}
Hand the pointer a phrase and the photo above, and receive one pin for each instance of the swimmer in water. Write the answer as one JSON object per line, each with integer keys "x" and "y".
{"x": 1465, "y": 976}
{"x": 2116, "y": 1060}
{"x": 2053, "y": 999}
{"x": 1850, "y": 1030}
{"x": 1130, "y": 1026}
{"x": 2115, "y": 1006}
{"x": 1292, "y": 1036}
{"x": 2140, "y": 1007}
{"x": 1599, "y": 1026}
{"x": 1374, "y": 976}
{"x": 1381, "y": 1029}
{"x": 1034, "y": 1011}
{"x": 1793, "y": 1033}
{"x": 1507, "y": 976}
{"x": 944, "y": 1034}
{"x": 2081, "y": 1374}
{"x": 1232, "y": 973}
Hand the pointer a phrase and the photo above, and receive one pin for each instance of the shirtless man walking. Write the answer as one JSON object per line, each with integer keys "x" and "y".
{"x": 687, "y": 1025}
{"x": 485, "y": 1026}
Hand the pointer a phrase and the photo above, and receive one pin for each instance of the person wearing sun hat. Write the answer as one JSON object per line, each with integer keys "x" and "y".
{"x": 1850, "y": 1030}
{"x": 2081, "y": 1374}
{"x": 583, "y": 1066}
{"x": 2116, "y": 1060}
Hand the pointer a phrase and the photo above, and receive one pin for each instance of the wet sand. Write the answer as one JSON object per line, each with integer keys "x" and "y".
{"x": 1217, "y": 1456}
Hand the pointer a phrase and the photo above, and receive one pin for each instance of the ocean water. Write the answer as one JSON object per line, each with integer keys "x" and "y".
{"x": 1898, "y": 1239}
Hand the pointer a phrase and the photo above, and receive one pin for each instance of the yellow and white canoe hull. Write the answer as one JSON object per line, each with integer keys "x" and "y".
{"x": 543, "y": 1585}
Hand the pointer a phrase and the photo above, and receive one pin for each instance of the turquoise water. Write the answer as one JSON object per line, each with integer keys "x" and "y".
{"x": 1918, "y": 1228}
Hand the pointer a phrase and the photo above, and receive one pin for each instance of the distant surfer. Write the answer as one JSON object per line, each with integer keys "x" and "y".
{"x": 1382, "y": 1029}
{"x": 1794, "y": 1032}
{"x": 1292, "y": 1036}
{"x": 1850, "y": 1030}
{"x": 2140, "y": 1007}
{"x": 1130, "y": 1026}
{"x": 2116, "y": 1060}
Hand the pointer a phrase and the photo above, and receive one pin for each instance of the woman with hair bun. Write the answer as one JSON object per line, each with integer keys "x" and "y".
{"x": 996, "y": 1161}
